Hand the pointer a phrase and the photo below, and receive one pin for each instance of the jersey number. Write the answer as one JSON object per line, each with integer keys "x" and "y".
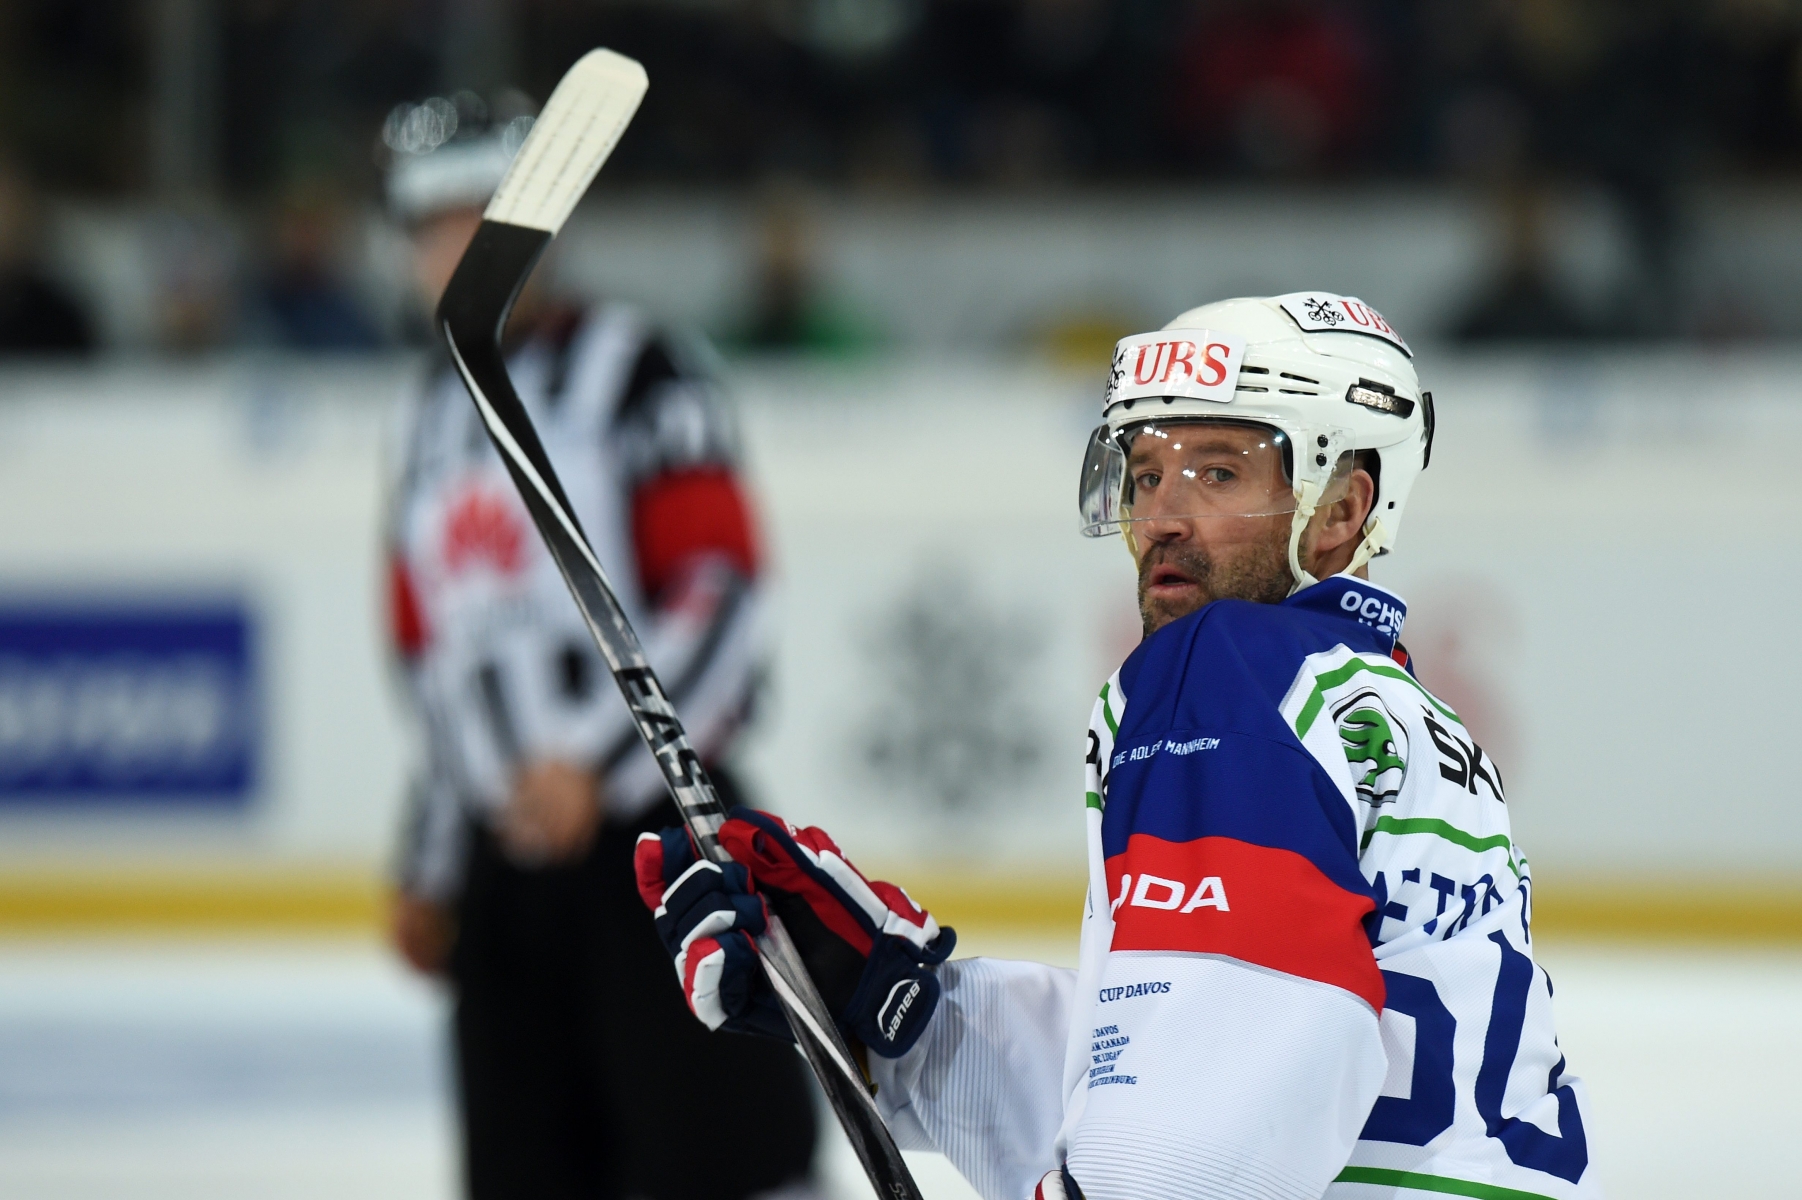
{"x": 1428, "y": 1111}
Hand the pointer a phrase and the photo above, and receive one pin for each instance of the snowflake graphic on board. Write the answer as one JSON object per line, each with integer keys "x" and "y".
{"x": 955, "y": 721}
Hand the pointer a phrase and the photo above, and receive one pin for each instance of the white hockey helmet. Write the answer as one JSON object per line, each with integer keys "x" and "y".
{"x": 1326, "y": 373}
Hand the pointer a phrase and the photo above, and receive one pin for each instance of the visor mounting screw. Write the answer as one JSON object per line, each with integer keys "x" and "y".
{"x": 1320, "y": 460}
{"x": 1321, "y": 441}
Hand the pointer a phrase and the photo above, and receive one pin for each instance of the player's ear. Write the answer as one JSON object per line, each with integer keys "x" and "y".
{"x": 1360, "y": 498}
{"x": 1342, "y": 521}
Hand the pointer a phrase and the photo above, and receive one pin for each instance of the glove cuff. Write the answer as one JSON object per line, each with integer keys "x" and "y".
{"x": 898, "y": 993}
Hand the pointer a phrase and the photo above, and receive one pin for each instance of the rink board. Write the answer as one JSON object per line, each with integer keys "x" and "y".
{"x": 1600, "y": 561}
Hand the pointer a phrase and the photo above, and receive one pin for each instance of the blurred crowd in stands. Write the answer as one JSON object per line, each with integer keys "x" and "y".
{"x": 252, "y": 124}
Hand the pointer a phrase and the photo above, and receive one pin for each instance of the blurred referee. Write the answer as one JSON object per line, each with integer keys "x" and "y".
{"x": 576, "y": 1058}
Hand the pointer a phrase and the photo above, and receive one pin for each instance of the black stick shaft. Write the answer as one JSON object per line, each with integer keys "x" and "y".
{"x": 471, "y": 317}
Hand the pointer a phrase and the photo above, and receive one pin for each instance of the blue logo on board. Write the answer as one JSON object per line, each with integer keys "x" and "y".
{"x": 108, "y": 702}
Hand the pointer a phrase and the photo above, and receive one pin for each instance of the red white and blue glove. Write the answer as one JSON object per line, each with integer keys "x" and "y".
{"x": 707, "y": 915}
{"x": 870, "y": 949}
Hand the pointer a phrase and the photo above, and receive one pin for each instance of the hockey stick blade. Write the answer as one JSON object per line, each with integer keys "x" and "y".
{"x": 572, "y": 138}
{"x": 581, "y": 123}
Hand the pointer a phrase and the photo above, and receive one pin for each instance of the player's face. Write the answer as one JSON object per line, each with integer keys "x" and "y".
{"x": 1194, "y": 552}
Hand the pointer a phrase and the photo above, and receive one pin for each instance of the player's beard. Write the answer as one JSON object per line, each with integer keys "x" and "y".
{"x": 1257, "y": 571}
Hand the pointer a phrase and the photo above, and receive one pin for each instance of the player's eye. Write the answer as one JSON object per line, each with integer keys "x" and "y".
{"x": 1218, "y": 475}
{"x": 1147, "y": 479}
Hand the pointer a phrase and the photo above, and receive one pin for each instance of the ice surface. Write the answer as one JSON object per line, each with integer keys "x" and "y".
{"x": 207, "y": 1069}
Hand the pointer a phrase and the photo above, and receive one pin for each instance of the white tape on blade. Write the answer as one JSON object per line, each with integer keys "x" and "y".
{"x": 580, "y": 125}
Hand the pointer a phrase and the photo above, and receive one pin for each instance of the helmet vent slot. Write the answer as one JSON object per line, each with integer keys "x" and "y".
{"x": 1296, "y": 392}
{"x": 1249, "y": 370}
{"x": 1250, "y": 387}
{"x": 1380, "y": 397}
{"x": 1302, "y": 379}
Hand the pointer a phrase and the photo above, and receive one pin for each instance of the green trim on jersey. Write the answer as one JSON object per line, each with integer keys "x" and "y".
{"x": 1338, "y": 675}
{"x": 1451, "y": 833}
{"x": 1384, "y": 1177}
{"x": 1107, "y": 713}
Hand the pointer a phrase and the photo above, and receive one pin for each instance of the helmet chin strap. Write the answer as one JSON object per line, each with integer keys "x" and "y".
{"x": 1375, "y": 538}
{"x": 1307, "y": 499}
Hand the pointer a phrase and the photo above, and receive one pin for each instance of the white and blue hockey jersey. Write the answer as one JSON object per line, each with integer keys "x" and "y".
{"x": 1306, "y": 963}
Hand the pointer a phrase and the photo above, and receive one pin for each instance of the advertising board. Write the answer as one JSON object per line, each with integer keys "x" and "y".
{"x": 110, "y": 701}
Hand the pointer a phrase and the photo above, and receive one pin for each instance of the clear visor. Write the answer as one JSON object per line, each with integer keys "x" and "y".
{"x": 1183, "y": 471}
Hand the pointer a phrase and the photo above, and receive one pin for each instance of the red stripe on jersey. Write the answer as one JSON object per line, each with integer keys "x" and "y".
{"x": 406, "y": 620}
{"x": 681, "y": 514}
{"x": 1260, "y": 905}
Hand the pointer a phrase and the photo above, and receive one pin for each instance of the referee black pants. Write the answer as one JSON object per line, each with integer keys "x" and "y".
{"x": 580, "y": 1071}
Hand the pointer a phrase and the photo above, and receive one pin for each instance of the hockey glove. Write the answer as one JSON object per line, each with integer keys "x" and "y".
{"x": 707, "y": 915}
{"x": 869, "y": 948}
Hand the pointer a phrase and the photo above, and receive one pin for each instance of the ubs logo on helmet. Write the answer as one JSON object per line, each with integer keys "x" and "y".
{"x": 1322, "y": 310}
{"x": 1177, "y": 358}
{"x": 1198, "y": 364}
{"x": 1117, "y": 372}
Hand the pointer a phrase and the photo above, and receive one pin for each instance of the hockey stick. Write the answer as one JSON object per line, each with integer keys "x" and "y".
{"x": 573, "y": 136}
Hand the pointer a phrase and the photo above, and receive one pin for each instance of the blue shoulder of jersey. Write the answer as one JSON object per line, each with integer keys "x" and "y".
{"x": 1203, "y": 750}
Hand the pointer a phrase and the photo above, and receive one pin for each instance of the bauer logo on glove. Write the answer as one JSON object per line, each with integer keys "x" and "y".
{"x": 870, "y": 949}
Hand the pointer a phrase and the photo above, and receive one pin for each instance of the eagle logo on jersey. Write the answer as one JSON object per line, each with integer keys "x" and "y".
{"x": 1376, "y": 746}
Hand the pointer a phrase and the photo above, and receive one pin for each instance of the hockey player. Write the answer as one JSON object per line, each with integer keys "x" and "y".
{"x": 1306, "y": 963}
{"x": 573, "y": 1046}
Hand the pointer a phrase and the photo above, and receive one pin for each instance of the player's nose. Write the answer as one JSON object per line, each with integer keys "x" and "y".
{"x": 1161, "y": 528}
